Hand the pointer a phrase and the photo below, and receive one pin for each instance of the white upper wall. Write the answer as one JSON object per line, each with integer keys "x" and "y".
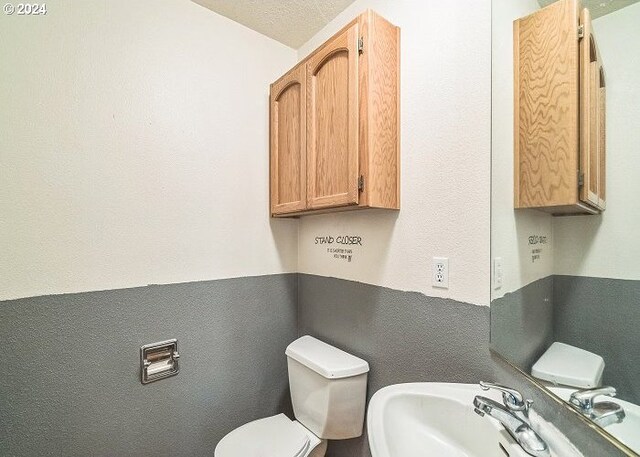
{"x": 445, "y": 149}
{"x": 134, "y": 151}
{"x": 511, "y": 230}
{"x": 608, "y": 245}
{"x": 134, "y": 148}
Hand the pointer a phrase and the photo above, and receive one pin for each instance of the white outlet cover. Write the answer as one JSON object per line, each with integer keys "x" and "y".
{"x": 440, "y": 272}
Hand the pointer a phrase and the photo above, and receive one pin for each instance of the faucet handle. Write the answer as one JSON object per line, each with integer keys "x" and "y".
{"x": 584, "y": 399}
{"x": 512, "y": 398}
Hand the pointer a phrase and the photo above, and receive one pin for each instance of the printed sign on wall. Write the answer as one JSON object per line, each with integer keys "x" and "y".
{"x": 537, "y": 243}
{"x": 340, "y": 247}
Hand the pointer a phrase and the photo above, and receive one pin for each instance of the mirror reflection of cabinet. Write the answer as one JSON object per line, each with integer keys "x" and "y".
{"x": 592, "y": 117}
{"x": 559, "y": 116}
{"x": 335, "y": 124}
{"x": 582, "y": 287}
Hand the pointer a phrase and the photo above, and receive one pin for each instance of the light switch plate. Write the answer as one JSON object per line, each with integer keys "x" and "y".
{"x": 498, "y": 273}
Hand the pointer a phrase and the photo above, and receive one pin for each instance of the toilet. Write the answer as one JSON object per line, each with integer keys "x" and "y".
{"x": 328, "y": 392}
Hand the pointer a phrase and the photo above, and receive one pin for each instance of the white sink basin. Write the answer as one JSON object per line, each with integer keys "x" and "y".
{"x": 437, "y": 420}
{"x": 434, "y": 419}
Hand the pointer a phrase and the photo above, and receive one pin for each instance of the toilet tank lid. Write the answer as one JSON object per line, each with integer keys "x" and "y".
{"x": 324, "y": 359}
{"x": 570, "y": 366}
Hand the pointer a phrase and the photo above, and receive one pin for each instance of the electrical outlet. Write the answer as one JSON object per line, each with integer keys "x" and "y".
{"x": 498, "y": 274}
{"x": 440, "y": 272}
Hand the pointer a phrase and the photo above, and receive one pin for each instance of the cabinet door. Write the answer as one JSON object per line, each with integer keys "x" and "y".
{"x": 589, "y": 114}
{"x": 288, "y": 143}
{"x": 332, "y": 122}
{"x": 602, "y": 184}
{"x": 546, "y": 98}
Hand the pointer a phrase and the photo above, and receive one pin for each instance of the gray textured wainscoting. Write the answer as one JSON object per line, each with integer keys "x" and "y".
{"x": 405, "y": 336}
{"x": 70, "y": 381}
{"x": 522, "y": 323}
{"x": 603, "y": 316}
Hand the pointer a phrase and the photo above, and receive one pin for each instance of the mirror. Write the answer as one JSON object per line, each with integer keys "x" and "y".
{"x": 565, "y": 244}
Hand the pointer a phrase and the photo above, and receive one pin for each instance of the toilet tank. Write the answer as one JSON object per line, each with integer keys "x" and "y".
{"x": 328, "y": 388}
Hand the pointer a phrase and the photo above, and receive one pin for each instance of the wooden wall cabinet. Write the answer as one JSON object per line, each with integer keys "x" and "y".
{"x": 334, "y": 124}
{"x": 559, "y": 115}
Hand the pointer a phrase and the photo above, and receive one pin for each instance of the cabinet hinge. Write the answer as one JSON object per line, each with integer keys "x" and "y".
{"x": 361, "y": 183}
{"x": 580, "y": 179}
{"x": 360, "y": 45}
{"x": 580, "y": 31}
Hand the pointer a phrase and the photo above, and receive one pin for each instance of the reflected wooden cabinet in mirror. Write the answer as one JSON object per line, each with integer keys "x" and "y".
{"x": 559, "y": 117}
{"x": 335, "y": 124}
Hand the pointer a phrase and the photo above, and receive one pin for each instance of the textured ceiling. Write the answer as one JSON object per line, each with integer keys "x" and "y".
{"x": 598, "y": 7}
{"x": 291, "y": 22}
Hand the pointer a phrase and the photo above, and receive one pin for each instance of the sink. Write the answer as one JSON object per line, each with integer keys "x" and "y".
{"x": 627, "y": 430}
{"x": 437, "y": 420}
{"x": 434, "y": 419}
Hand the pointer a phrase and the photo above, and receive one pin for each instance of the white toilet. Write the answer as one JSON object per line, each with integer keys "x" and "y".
{"x": 328, "y": 391}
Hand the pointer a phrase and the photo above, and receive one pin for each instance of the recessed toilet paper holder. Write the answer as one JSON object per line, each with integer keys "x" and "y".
{"x": 159, "y": 360}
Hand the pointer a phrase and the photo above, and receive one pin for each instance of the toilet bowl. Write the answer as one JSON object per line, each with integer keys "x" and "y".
{"x": 272, "y": 436}
{"x": 328, "y": 389}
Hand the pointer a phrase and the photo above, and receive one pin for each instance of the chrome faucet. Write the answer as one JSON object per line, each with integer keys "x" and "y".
{"x": 512, "y": 399}
{"x": 513, "y": 416}
{"x": 602, "y": 413}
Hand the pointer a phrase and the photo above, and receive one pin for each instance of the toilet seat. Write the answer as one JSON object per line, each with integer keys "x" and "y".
{"x": 275, "y": 436}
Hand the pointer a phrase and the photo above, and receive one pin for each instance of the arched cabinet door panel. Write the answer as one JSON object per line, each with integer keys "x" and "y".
{"x": 592, "y": 130}
{"x": 288, "y": 143}
{"x": 332, "y": 122}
